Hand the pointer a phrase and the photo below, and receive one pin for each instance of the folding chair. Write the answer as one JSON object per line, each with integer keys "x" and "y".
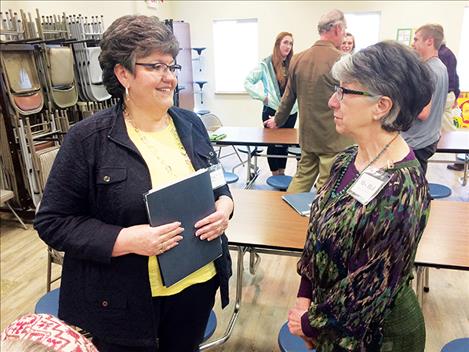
{"x": 212, "y": 122}
{"x": 5, "y": 196}
{"x": 61, "y": 77}
{"x": 22, "y": 81}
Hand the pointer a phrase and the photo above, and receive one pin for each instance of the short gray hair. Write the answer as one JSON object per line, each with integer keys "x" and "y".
{"x": 390, "y": 69}
{"x": 329, "y": 20}
{"x": 129, "y": 38}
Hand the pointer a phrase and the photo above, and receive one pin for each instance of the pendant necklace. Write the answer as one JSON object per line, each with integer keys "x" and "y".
{"x": 334, "y": 192}
{"x": 156, "y": 153}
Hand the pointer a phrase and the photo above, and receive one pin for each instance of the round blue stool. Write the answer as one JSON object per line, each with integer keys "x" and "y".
{"x": 280, "y": 182}
{"x": 203, "y": 112}
{"x": 458, "y": 345}
{"x": 438, "y": 191}
{"x": 290, "y": 343}
{"x": 230, "y": 177}
{"x": 49, "y": 304}
{"x": 254, "y": 151}
{"x": 211, "y": 326}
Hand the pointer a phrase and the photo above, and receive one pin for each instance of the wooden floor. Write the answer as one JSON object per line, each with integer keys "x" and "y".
{"x": 267, "y": 295}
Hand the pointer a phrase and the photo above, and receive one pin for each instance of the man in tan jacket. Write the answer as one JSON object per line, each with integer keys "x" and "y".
{"x": 311, "y": 83}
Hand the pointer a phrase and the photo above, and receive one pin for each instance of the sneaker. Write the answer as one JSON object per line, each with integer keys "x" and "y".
{"x": 455, "y": 167}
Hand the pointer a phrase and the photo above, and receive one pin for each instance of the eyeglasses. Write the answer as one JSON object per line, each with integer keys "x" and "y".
{"x": 161, "y": 68}
{"x": 340, "y": 91}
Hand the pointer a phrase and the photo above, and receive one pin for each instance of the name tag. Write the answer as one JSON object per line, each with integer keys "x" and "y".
{"x": 217, "y": 176}
{"x": 369, "y": 184}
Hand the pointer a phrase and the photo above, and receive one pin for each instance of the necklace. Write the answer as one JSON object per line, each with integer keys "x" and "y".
{"x": 155, "y": 151}
{"x": 334, "y": 192}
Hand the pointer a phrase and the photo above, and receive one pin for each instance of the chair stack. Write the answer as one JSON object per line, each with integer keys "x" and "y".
{"x": 50, "y": 79}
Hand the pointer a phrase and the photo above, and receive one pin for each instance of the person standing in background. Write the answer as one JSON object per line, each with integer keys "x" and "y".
{"x": 424, "y": 134}
{"x": 273, "y": 73}
{"x": 348, "y": 44}
{"x": 310, "y": 81}
{"x": 450, "y": 61}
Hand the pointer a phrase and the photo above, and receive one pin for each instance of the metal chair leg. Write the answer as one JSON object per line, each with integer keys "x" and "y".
{"x": 426, "y": 280}
{"x": 49, "y": 272}
{"x": 17, "y": 216}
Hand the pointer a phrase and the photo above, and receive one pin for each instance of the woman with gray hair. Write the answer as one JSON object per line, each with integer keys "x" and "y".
{"x": 92, "y": 207}
{"x": 367, "y": 220}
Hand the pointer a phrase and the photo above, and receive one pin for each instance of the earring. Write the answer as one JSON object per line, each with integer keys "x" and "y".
{"x": 127, "y": 96}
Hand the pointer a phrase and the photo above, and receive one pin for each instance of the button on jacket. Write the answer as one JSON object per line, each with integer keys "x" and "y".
{"x": 95, "y": 189}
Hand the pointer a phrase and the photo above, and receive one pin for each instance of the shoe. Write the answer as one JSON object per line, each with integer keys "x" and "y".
{"x": 455, "y": 167}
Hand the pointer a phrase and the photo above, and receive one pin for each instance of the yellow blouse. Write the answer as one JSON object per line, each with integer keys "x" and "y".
{"x": 167, "y": 161}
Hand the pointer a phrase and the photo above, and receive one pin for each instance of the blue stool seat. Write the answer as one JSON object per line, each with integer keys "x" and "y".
{"x": 461, "y": 157}
{"x": 290, "y": 343}
{"x": 458, "y": 345}
{"x": 49, "y": 304}
{"x": 280, "y": 182}
{"x": 230, "y": 177}
{"x": 211, "y": 326}
{"x": 439, "y": 191}
{"x": 294, "y": 151}
{"x": 254, "y": 151}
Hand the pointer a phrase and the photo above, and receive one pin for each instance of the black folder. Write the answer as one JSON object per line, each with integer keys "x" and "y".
{"x": 188, "y": 201}
{"x": 301, "y": 202}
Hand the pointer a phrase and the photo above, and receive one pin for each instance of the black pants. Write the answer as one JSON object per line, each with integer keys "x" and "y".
{"x": 424, "y": 154}
{"x": 277, "y": 163}
{"x": 180, "y": 320}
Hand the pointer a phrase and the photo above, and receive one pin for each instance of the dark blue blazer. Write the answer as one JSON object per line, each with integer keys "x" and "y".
{"x": 95, "y": 189}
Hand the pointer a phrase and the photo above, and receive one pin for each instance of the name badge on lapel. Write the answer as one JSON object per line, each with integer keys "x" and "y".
{"x": 217, "y": 176}
{"x": 369, "y": 184}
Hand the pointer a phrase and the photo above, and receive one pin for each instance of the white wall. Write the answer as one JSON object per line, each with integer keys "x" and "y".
{"x": 298, "y": 17}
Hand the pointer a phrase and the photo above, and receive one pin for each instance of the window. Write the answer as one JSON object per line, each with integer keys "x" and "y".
{"x": 364, "y": 27}
{"x": 463, "y": 59}
{"x": 235, "y": 53}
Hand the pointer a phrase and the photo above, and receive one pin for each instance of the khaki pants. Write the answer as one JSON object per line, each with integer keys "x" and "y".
{"x": 447, "y": 123}
{"x": 309, "y": 167}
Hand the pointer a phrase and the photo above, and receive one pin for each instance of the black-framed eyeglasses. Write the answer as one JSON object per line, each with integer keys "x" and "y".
{"x": 160, "y": 67}
{"x": 340, "y": 91}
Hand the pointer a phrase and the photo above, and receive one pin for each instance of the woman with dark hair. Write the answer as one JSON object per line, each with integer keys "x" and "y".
{"x": 92, "y": 207}
{"x": 272, "y": 72}
{"x": 367, "y": 220}
{"x": 348, "y": 44}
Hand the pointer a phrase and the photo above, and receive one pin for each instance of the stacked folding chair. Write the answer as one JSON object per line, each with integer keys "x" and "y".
{"x": 50, "y": 79}
{"x": 87, "y": 51}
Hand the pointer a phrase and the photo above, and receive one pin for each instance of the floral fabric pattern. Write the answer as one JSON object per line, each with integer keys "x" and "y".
{"x": 359, "y": 257}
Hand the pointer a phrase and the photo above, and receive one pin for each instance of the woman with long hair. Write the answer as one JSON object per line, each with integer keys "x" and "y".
{"x": 272, "y": 72}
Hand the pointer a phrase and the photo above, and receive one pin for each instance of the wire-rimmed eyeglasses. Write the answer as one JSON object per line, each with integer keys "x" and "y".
{"x": 161, "y": 68}
{"x": 340, "y": 91}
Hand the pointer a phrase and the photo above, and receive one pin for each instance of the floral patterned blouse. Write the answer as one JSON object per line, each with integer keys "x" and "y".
{"x": 357, "y": 258}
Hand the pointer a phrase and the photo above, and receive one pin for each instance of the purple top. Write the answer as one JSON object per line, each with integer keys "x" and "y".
{"x": 305, "y": 284}
{"x": 448, "y": 58}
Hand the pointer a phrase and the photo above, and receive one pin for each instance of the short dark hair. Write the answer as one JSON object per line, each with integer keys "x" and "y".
{"x": 129, "y": 38}
{"x": 390, "y": 69}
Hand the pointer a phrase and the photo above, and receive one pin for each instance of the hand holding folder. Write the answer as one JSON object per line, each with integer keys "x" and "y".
{"x": 187, "y": 201}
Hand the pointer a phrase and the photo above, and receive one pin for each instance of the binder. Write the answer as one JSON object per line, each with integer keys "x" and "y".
{"x": 187, "y": 201}
{"x": 301, "y": 202}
